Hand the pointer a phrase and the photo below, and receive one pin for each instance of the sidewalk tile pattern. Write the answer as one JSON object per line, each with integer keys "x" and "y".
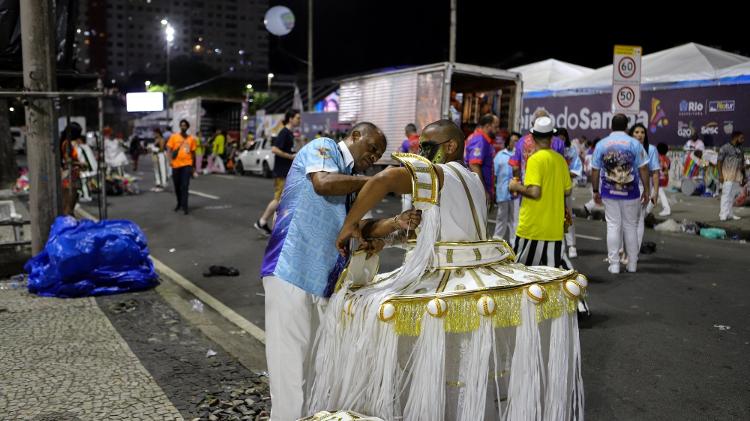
{"x": 63, "y": 359}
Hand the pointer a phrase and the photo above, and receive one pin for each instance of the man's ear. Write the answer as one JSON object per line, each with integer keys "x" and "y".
{"x": 451, "y": 146}
{"x": 356, "y": 135}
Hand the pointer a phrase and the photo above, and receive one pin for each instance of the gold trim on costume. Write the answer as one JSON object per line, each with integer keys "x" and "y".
{"x": 478, "y": 254}
{"x": 444, "y": 281}
{"x": 409, "y": 160}
{"x": 476, "y": 277}
{"x": 449, "y": 256}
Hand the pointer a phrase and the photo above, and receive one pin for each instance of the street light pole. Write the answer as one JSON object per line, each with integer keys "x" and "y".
{"x": 270, "y": 77}
{"x": 310, "y": 55}
{"x": 169, "y": 32}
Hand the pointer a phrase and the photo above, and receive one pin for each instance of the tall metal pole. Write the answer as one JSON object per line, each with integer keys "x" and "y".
{"x": 166, "y": 90}
{"x": 101, "y": 166}
{"x": 310, "y": 104}
{"x": 452, "y": 46}
{"x": 38, "y": 46}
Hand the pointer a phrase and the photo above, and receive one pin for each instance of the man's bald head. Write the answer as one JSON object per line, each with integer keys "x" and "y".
{"x": 443, "y": 131}
{"x": 369, "y": 131}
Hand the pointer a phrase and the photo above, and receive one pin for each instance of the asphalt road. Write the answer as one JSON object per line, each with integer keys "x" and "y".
{"x": 669, "y": 342}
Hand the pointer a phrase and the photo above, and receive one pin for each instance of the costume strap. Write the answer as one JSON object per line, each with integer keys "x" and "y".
{"x": 423, "y": 178}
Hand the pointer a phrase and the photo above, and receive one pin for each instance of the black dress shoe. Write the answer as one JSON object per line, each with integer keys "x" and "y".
{"x": 178, "y": 207}
{"x": 186, "y": 211}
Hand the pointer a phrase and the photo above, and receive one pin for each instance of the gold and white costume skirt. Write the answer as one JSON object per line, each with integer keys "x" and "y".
{"x": 476, "y": 337}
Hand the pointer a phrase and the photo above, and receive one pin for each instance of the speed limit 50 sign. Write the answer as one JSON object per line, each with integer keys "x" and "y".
{"x": 626, "y": 79}
{"x": 626, "y": 98}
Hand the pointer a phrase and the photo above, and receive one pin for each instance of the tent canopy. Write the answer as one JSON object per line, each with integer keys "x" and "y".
{"x": 682, "y": 63}
{"x": 543, "y": 74}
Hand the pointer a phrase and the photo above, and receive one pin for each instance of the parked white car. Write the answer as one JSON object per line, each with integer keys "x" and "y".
{"x": 257, "y": 160}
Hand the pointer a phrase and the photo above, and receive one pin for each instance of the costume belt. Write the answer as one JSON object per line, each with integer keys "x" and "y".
{"x": 466, "y": 254}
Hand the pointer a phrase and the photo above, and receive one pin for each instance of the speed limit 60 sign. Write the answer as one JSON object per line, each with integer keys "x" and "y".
{"x": 626, "y": 79}
{"x": 627, "y": 64}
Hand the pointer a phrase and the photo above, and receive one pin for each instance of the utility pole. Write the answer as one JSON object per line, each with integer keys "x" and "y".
{"x": 310, "y": 103}
{"x": 452, "y": 45}
{"x": 37, "y": 42}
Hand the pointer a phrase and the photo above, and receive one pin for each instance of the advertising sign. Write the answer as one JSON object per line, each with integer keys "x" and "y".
{"x": 671, "y": 115}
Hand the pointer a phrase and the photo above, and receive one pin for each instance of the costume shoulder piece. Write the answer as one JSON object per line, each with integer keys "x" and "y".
{"x": 424, "y": 179}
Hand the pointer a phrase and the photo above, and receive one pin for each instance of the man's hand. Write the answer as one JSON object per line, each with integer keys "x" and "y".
{"x": 347, "y": 233}
{"x": 409, "y": 220}
{"x": 372, "y": 246}
{"x": 515, "y": 186}
{"x": 645, "y": 197}
{"x": 598, "y": 199}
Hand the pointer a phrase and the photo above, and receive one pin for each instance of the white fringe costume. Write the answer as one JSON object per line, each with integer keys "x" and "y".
{"x": 459, "y": 332}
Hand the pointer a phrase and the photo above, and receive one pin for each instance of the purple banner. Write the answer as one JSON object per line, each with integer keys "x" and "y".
{"x": 670, "y": 114}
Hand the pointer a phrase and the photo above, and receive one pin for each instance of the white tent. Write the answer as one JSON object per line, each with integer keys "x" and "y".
{"x": 543, "y": 74}
{"x": 742, "y": 69}
{"x": 682, "y": 63}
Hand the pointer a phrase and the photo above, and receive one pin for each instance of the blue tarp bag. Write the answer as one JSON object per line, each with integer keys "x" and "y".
{"x": 85, "y": 258}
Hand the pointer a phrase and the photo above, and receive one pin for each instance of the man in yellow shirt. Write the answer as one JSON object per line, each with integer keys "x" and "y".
{"x": 540, "y": 227}
{"x": 181, "y": 147}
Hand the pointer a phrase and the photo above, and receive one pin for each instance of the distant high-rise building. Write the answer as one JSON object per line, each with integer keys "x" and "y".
{"x": 124, "y": 37}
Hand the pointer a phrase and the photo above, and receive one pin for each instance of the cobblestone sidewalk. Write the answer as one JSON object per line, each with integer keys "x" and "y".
{"x": 63, "y": 360}
{"x": 121, "y": 357}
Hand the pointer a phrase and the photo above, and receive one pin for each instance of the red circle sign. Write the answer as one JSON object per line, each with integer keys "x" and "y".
{"x": 625, "y": 97}
{"x": 626, "y": 67}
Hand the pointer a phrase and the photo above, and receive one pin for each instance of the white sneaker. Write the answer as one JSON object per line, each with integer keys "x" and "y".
{"x": 572, "y": 252}
{"x": 614, "y": 269}
{"x": 665, "y": 213}
{"x": 630, "y": 268}
{"x": 736, "y": 218}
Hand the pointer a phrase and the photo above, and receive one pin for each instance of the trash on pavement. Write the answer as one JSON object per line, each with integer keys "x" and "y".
{"x": 172, "y": 250}
{"x": 689, "y": 227}
{"x": 197, "y": 305}
{"x": 87, "y": 258}
{"x": 221, "y": 271}
{"x": 713, "y": 233}
{"x": 722, "y": 327}
{"x": 648, "y": 247}
{"x": 670, "y": 225}
{"x": 210, "y": 353}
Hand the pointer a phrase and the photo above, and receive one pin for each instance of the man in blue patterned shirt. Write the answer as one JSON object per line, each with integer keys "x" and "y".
{"x": 301, "y": 263}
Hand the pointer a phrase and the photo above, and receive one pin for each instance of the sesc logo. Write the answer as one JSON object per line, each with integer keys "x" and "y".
{"x": 711, "y": 128}
{"x": 691, "y": 108}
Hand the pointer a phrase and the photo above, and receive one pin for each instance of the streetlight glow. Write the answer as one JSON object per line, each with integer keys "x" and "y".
{"x": 164, "y": 22}
{"x": 11, "y": 109}
{"x": 170, "y": 33}
{"x": 249, "y": 86}
{"x": 147, "y": 83}
{"x": 270, "y": 76}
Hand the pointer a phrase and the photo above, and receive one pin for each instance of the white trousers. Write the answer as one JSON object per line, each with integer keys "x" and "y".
{"x": 643, "y": 211}
{"x": 664, "y": 200}
{"x": 160, "y": 169}
{"x": 292, "y": 319}
{"x": 622, "y": 221}
{"x": 570, "y": 236}
{"x": 729, "y": 192}
{"x": 505, "y": 221}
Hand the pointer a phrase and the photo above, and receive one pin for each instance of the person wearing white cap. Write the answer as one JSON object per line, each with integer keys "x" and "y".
{"x": 621, "y": 161}
{"x": 539, "y": 237}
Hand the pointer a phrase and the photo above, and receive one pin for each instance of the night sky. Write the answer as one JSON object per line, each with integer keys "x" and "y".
{"x": 353, "y": 36}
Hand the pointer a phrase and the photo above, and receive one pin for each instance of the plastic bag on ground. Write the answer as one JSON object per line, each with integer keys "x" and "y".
{"x": 670, "y": 225}
{"x": 713, "y": 233}
{"x": 85, "y": 258}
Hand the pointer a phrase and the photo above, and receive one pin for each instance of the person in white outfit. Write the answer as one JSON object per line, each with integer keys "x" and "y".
{"x": 638, "y": 132}
{"x": 731, "y": 163}
{"x": 621, "y": 162}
